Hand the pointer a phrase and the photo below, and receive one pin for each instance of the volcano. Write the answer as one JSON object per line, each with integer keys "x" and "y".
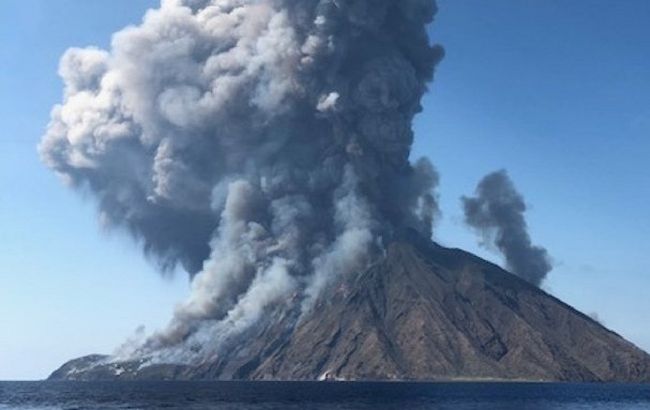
{"x": 422, "y": 312}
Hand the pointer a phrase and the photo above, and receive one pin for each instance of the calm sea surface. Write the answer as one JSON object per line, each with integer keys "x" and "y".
{"x": 325, "y": 396}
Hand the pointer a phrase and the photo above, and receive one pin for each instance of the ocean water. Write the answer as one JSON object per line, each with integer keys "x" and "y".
{"x": 320, "y": 396}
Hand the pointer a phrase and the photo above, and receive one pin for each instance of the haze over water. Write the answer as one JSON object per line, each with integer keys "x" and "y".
{"x": 319, "y": 395}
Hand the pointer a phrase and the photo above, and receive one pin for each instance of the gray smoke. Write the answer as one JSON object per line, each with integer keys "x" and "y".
{"x": 261, "y": 144}
{"x": 497, "y": 212}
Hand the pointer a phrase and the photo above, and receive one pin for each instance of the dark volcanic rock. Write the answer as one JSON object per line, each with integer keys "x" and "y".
{"x": 423, "y": 312}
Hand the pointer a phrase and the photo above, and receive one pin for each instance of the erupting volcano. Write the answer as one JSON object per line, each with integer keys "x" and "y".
{"x": 264, "y": 147}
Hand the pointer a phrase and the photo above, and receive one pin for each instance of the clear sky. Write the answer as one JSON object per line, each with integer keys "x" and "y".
{"x": 557, "y": 92}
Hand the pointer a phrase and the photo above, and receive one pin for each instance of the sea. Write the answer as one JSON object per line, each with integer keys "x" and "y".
{"x": 320, "y": 396}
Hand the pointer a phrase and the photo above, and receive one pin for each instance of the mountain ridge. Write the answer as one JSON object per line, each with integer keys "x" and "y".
{"x": 422, "y": 312}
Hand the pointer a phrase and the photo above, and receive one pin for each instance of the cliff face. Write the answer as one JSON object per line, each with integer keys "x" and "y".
{"x": 421, "y": 313}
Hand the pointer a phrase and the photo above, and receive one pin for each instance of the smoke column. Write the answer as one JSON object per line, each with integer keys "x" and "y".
{"x": 263, "y": 145}
{"x": 497, "y": 212}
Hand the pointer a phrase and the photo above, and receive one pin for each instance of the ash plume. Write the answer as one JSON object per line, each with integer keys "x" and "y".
{"x": 263, "y": 145}
{"x": 497, "y": 213}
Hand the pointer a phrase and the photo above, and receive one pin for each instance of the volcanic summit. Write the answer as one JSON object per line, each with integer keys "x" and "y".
{"x": 422, "y": 312}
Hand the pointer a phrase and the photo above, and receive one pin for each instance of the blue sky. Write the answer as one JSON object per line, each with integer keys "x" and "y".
{"x": 557, "y": 92}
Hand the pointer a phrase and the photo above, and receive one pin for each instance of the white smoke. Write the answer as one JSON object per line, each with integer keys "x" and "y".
{"x": 261, "y": 144}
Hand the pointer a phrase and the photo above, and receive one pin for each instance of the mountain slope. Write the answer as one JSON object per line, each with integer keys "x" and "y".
{"x": 423, "y": 312}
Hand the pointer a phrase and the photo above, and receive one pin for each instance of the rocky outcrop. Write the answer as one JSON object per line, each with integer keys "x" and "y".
{"x": 423, "y": 312}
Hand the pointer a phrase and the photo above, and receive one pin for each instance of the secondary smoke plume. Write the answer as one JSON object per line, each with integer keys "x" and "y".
{"x": 497, "y": 212}
{"x": 261, "y": 144}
